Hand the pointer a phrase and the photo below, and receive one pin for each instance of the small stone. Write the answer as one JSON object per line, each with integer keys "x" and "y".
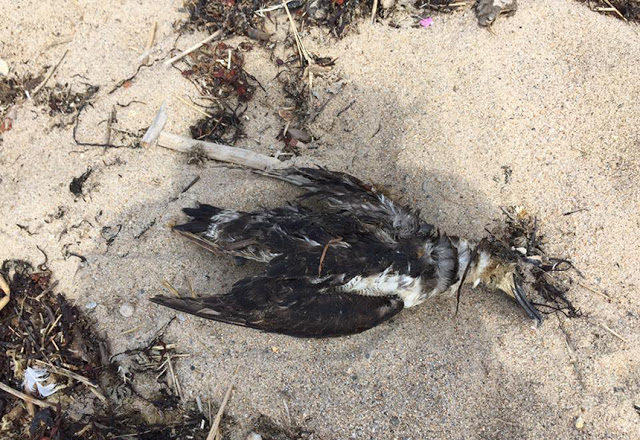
{"x": 387, "y": 4}
{"x": 91, "y": 305}
{"x": 254, "y": 436}
{"x": 579, "y": 422}
{"x": 4, "y": 68}
{"x": 126, "y": 310}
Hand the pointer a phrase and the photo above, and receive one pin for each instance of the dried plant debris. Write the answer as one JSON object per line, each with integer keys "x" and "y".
{"x": 224, "y": 127}
{"x": 628, "y": 10}
{"x": 64, "y": 99}
{"x": 442, "y": 5}
{"x": 59, "y": 382}
{"x": 43, "y": 339}
{"x": 520, "y": 240}
{"x": 13, "y": 90}
{"x": 217, "y": 70}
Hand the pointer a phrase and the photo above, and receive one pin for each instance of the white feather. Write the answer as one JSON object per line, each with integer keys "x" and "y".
{"x": 34, "y": 378}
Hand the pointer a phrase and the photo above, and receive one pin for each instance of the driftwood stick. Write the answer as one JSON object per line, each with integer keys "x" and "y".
{"x": 213, "y": 432}
{"x": 195, "y": 47}
{"x": 154, "y": 130}
{"x": 25, "y": 397}
{"x": 223, "y": 153}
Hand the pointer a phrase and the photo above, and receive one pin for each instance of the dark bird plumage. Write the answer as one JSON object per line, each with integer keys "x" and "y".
{"x": 342, "y": 259}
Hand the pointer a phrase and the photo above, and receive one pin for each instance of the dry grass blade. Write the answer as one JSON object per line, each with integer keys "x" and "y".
{"x": 617, "y": 335}
{"x": 167, "y": 285}
{"x": 615, "y": 9}
{"x": 324, "y": 252}
{"x": 193, "y": 48}
{"x": 49, "y": 75}
{"x": 68, "y": 373}
{"x": 213, "y": 432}
{"x": 25, "y": 397}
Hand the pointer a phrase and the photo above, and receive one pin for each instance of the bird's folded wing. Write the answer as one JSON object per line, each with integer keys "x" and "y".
{"x": 295, "y": 307}
{"x": 343, "y": 192}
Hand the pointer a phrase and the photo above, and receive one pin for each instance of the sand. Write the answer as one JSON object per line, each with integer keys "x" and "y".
{"x": 551, "y": 93}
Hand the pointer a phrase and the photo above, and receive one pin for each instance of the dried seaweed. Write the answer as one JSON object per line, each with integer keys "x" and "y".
{"x": 63, "y": 99}
{"x": 224, "y": 127}
{"x": 218, "y": 71}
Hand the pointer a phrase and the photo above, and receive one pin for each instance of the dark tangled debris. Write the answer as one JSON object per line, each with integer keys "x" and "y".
{"x": 521, "y": 242}
{"x": 63, "y": 99}
{"x": 217, "y": 71}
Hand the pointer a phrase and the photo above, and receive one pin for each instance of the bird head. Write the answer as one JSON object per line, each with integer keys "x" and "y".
{"x": 496, "y": 267}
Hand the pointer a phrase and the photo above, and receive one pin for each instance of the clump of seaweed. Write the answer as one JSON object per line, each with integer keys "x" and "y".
{"x": 224, "y": 127}
{"x": 217, "y": 70}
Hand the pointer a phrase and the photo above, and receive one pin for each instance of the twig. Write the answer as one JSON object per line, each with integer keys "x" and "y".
{"x": 592, "y": 290}
{"x": 222, "y": 153}
{"x": 346, "y": 108}
{"x": 213, "y": 432}
{"x": 176, "y": 384}
{"x": 324, "y": 252}
{"x": 193, "y": 48}
{"x": 617, "y": 335}
{"x": 188, "y": 187}
{"x": 154, "y": 130}
{"x": 374, "y": 11}
{"x": 575, "y": 211}
{"x": 615, "y": 9}
{"x": 25, "y": 397}
{"x": 147, "y": 50}
{"x": 49, "y": 75}
{"x": 68, "y": 373}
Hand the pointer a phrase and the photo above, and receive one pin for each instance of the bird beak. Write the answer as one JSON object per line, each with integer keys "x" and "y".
{"x": 520, "y": 296}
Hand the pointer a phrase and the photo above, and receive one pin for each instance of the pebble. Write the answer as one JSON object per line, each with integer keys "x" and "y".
{"x": 579, "y": 422}
{"x": 91, "y": 305}
{"x": 126, "y": 310}
{"x": 254, "y": 436}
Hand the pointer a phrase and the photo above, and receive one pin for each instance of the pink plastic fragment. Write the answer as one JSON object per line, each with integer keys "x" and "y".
{"x": 426, "y": 22}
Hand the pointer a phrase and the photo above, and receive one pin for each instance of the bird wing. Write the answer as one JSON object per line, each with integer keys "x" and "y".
{"x": 295, "y": 307}
{"x": 343, "y": 192}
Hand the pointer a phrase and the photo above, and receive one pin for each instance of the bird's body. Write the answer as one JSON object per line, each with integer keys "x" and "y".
{"x": 345, "y": 261}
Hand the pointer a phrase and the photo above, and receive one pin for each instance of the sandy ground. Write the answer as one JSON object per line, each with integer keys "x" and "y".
{"x": 552, "y": 93}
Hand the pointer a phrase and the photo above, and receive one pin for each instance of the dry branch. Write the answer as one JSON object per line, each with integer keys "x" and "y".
{"x": 25, "y": 397}
{"x": 222, "y": 153}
